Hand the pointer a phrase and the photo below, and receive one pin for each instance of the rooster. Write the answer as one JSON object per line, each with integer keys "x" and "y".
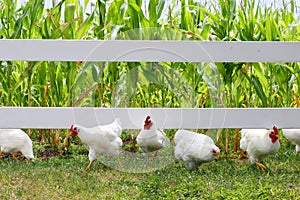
{"x": 194, "y": 148}
{"x": 102, "y": 140}
{"x": 293, "y": 135}
{"x": 151, "y": 139}
{"x": 259, "y": 143}
{"x": 16, "y": 140}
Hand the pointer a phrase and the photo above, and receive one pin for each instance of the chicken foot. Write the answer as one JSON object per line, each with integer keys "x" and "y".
{"x": 260, "y": 165}
{"x": 243, "y": 154}
{"x": 14, "y": 157}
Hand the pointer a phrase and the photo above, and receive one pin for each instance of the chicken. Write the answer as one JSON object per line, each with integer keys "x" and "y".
{"x": 259, "y": 143}
{"x": 293, "y": 135}
{"x": 102, "y": 140}
{"x": 16, "y": 140}
{"x": 151, "y": 139}
{"x": 194, "y": 148}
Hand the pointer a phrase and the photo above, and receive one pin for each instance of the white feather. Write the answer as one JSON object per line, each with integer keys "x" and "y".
{"x": 258, "y": 144}
{"x": 152, "y": 139}
{"x": 16, "y": 140}
{"x": 102, "y": 140}
{"x": 293, "y": 135}
{"x": 193, "y": 148}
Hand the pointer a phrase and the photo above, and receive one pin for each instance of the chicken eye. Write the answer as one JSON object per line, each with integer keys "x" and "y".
{"x": 214, "y": 151}
{"x": 75, "y": 128}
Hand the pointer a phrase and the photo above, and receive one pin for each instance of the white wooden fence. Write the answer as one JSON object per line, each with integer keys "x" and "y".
{"x": 149, "y": 51}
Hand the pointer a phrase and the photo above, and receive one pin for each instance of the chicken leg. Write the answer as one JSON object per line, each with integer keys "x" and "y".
{"x": 260, "y": 165}
{"x": 1, "y": 154}
{"x": 90, "y": 165}
{"x": 297, "y": 151}
{"x": 119, "y": 162}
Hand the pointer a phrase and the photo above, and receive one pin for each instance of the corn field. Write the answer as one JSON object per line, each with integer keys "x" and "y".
{"x": 131, "y": 84}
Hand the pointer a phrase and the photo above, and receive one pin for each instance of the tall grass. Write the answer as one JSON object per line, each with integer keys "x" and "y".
{"x": 148, "y": 84}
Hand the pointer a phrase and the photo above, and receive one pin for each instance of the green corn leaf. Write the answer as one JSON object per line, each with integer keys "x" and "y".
{"x": 68, "y": 30}
{"x": 260, "y": 91}
{"x": 261, "y": 77}
{"x": 114, "y": 15}
{"x": 84, "y": 27}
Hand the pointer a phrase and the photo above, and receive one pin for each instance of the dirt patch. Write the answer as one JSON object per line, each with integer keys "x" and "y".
{"x": 47, "y": 153}
{"x": 129, "y": 146}
{"x": 18, "y": 156}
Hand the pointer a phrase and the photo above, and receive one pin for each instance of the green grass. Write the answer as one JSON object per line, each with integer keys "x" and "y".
{"x": 65, "y": 177}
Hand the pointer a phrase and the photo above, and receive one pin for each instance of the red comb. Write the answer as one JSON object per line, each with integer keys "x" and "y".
{"x": 147, "y": 118}
{"x": 275, "y": 130}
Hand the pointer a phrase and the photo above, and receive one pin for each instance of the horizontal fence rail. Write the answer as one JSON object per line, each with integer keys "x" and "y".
{"x": 149, "y": 51}
{"x": 133, "y": 118}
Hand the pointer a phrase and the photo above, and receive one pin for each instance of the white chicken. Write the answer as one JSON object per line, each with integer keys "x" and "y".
{"x": 293, "y": 135}
{"x": 151, "y": 139}
{"x": 16, "y": 140}
{"x": 194, "y": 148}
{"x": 259, "y": 143}
{"x": 102, "y": 140}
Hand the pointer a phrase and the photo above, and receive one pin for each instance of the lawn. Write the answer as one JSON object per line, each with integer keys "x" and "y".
{"x": 64, "y": 177}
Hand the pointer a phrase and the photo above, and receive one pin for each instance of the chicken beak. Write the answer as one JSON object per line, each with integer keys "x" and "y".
{"x": 279, "y": 139}
{"x": 217, "y": 155}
